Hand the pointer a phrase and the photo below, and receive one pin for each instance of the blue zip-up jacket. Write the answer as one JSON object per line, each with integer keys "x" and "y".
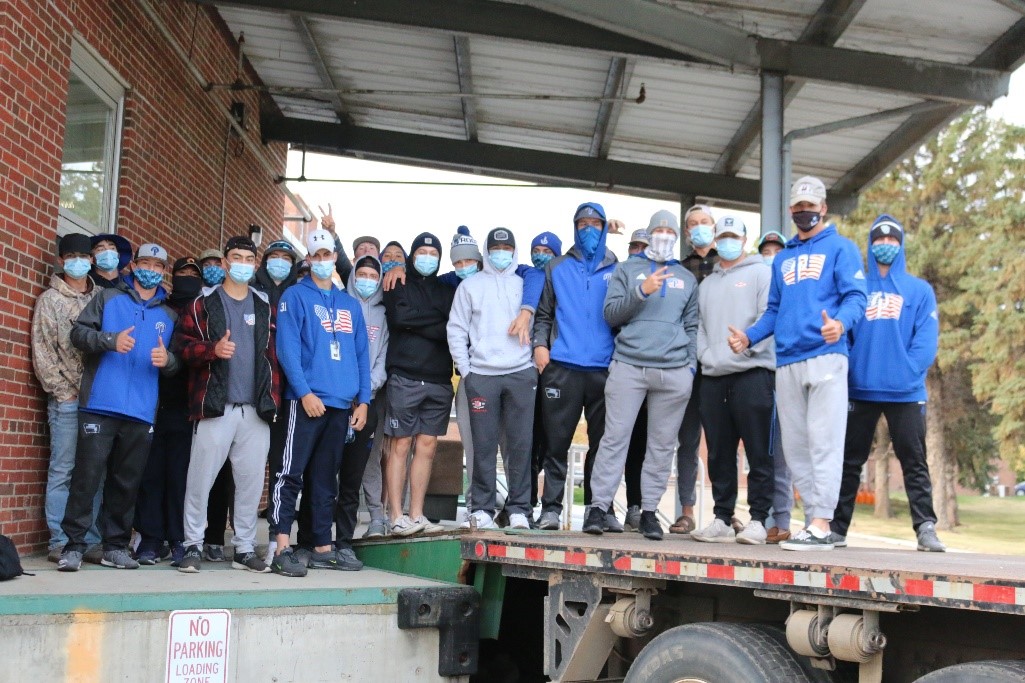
{"x": 309, "y": 320}
{"x": 569, "y": 319}
{"x": 123, "y": 385}
{"x": 894, "y": 345}
{"x": 823, "y": 273}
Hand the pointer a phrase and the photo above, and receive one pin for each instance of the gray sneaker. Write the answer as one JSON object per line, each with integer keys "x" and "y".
{"x": 716, "y": 532}
{"x": 119, "y": 559}
{"x": 54, "y": 554}
{"x": 303, "y": 556}
{"x": 378, "y": 528}
{"x": 213, "y": 553}
{"x": 347, "y": 560}
{"x": 250, "y": 562}
{"x": 94, "y": 555}
{"x": 192, "y": 560}
{"x": 633, "y": 518}
{"x": 928, "y": 541}
{"x": 285, "y": 564}
{"x": 549, "y": 521}
{"x": 837, "y": 540}
{"x": 752, "y": 534}
{"x": 70, "y": 561}
{"x": 612, "y": 524}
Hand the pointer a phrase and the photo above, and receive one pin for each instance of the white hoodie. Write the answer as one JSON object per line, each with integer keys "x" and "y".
{"x": 478, "y": 324}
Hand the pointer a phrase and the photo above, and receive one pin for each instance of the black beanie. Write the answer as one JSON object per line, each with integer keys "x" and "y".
{"x": 425, "y": 239}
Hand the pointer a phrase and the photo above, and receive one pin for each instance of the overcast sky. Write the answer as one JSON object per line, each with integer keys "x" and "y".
{"x": 401, "y": 212}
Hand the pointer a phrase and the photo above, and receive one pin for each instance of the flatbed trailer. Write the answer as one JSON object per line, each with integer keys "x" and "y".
{"x": 621, "y": 607}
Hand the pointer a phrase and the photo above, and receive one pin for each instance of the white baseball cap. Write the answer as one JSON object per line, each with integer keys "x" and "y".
{"x": 319, "y": 239}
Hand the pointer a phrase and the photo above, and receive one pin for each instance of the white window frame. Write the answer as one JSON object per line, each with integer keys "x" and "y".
{"x": 110, "y": 87}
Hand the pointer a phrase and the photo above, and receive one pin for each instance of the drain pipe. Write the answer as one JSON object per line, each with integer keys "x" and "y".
{"x": 830, "y": 127}
{"x": 252, "y": 146}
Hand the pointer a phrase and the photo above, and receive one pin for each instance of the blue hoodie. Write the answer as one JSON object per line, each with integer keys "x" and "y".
{"x": 304, "y": 336}
{"x": 822, "y": 273}
{"x": 569, "y": 319}
{"x": 893, "y": 346}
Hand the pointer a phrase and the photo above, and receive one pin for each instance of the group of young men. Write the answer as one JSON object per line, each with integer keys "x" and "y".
{"x": 161, "y": 394}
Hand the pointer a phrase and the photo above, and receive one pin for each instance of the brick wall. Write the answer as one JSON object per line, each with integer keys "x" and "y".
{"x": 176, "y": 157}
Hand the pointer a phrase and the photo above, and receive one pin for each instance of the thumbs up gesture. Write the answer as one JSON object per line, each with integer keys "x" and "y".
{"x": 225, "y": 348}
{"x": 158, "y": 356}
{"x": 125, "y": 341}
{"x": 738, "y": 341}
{"x": 831, "y": 329}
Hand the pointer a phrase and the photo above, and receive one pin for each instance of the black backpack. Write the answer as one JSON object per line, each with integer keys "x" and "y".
{"x": 10, "y": 563}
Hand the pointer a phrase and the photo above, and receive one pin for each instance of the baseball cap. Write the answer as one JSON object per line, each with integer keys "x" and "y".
{"x": 499, "y": 237}
{"x": 210, "y": 253}
{"x": 74, "y": 243}
{"x": 730, "y": 225}
{"x": 150, "y": 250}
{"x": 698, "y": 208}
{"x": 282, "y": 245}
{"x": 366, "y": 238}
{"x": 772, "y": 237}
{"x": 589, "y": 210}
{"x": 184, "y": 262}
{"x": 641, "y": 236}
{"x": 240, "y": 242}
{"x": 885, "y": 225}
{"x": 807, "y": 189}
{"x": 319, "y": 239}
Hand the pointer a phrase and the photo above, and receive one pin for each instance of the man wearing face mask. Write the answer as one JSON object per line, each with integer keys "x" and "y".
{"x": 500, "y": 382}
{"x": 226, "y": 340}
{"x": 771, "y": 244}
{"x": 652, "y": 302}
{"x": 58, "y": 367}
{"x": 817, "y": 295}
{"x": 159, "y": 507}
{"x": 419, "y": 383}
{"x": 572, "y": 349}
{"x": 211, "y": 267}
{"x": 124, "y": 334}
{"x": 111, "y": 254}
{"x": 892, "y": 348}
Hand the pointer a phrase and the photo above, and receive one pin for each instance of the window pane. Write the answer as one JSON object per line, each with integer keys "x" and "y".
{"x": 85, "y": 167}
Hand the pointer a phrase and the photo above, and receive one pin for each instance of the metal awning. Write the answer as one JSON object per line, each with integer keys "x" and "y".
{"x": 547, "y": 90}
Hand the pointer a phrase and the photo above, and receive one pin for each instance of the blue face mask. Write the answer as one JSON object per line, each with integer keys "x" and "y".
{"x": 466, "y": 271}
{"x": 768, "y": 258}
{"x": 589, "y": 238}
{"x": 885, "y": 253}
{"x": 279, "y": 268}
{"x": 366, "y": 287}
{"x": 701, "y": 236}
{"x": 213, "y": 275}
{"x": 729, "y": 248}
{"x": 77, "y": 267}
{"x": 541, "y": 260}
{"x": 241, "y": 272}
{"x": 500, "y": 258}
{"x": 388, "y": 265}
{"x": 148, "y": 279}
{"x": 107, "y": 260}
{"x": 322, "y": 269}
{"x": 425, "y": 264}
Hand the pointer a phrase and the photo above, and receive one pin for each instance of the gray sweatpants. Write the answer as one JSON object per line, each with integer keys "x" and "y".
{"x": 667, "y": 391}
{"x": 373, "y": 477}
{"x": 243, "y": 438}
{"x": 465, "y": 435}
{"x": 783, "y": 489}
{"x": 811, "y": 397}
{"x": 501, "y": 404}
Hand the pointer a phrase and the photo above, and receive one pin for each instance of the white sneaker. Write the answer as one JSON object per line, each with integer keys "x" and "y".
{"x": 271, "y": 549}
{"x": 518, "y": 521}
{"x": 404, "y": 526}
{"x": 480, "y": 519}
{"x": 753, "y": 534}
{"x": 429, "y": 526}
{"x": 716, "y": 532}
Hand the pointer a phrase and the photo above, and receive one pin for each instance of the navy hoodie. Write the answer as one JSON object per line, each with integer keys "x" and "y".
{"x": 822, "y": 273}
{"x": 569, "y": 318}
{"x": 893, "y": 346}
{"x": 309, "y": 319}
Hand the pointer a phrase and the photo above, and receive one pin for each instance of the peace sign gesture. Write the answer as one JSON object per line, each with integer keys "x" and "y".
{"x": 327, "y": 221}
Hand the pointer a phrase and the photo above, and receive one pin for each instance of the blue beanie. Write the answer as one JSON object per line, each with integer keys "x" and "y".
{"x": 550, "y": 240}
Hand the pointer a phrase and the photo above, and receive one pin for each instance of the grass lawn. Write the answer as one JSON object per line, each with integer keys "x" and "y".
{"x": 988, "y": 525}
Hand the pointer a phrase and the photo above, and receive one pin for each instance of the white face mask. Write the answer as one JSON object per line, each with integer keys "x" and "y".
{"x": 661, "y": 247}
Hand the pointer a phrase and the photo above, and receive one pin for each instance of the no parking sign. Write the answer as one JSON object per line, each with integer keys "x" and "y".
{"x": 197, "y": 646}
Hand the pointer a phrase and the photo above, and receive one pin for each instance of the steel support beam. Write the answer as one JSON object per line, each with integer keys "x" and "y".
{"x": 465, "y": 73}
{"x": 309, "y": 41}
{"x": 772, "y": 205}
{"x": 608, "y": 111}
{"x": 503, "y": 161}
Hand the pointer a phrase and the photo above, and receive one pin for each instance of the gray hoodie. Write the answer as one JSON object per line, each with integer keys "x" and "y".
{"x": 377, "y": 328}
{"x": 656, "y": 331}
{"x": 478, "y": 324}
{"x": 736, "y": 296}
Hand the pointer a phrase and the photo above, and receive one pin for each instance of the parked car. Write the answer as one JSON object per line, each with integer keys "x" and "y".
{"x": 1019, "y": 490}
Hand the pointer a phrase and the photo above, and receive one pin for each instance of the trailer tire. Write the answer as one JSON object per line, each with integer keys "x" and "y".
{"x": 995, "y": 671}
{"x": 717, "y": 653}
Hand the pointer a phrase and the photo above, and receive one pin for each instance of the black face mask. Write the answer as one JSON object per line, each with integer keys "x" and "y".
{"x": 185, "y": 287}
{"x": 806, "y": 220}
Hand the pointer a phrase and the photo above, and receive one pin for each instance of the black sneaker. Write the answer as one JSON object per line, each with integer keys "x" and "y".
{"x": 837, "y": 540}
{"x": 650, "y": 527}
{"x": 250, "y": 562}
{"x": 303, "y": 556}
{"x": 612, "y": 525}
{"x": 192, "y": 560}
{"x": 805, "y": 539}
{"x": 286, "y": 564}
{"x": 323, "y": 560}
{"x": 594, "y": 522}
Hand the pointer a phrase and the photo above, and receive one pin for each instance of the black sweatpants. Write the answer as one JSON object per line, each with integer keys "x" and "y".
{"x": 566, "y": 393}
{"x": 120, "y": 448}
{"x": 275, "y": 454}
{"x": 739, "y": 407}
{"x": 219, "y": 504}
{"x": 689, "y": 444}
{"x": 537, "y": 444}
{"x": 906, "y": 422}
{"x": 159, "y": 508}
{"x": 635, "y": 457}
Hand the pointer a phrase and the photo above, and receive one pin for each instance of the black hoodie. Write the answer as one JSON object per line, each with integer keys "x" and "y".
{"x": 263, "y": 282}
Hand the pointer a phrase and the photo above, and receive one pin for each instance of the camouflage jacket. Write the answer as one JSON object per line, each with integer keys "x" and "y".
{"x": 57, "y": 363}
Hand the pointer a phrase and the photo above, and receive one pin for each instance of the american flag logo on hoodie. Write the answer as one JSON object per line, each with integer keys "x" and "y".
{"x": 803, "y": 267}
{"x": 342, "y": 321}
{"x": 884, "y": 306}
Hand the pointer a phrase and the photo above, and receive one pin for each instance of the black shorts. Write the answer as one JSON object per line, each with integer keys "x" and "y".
{"x": 415, "y": 407}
